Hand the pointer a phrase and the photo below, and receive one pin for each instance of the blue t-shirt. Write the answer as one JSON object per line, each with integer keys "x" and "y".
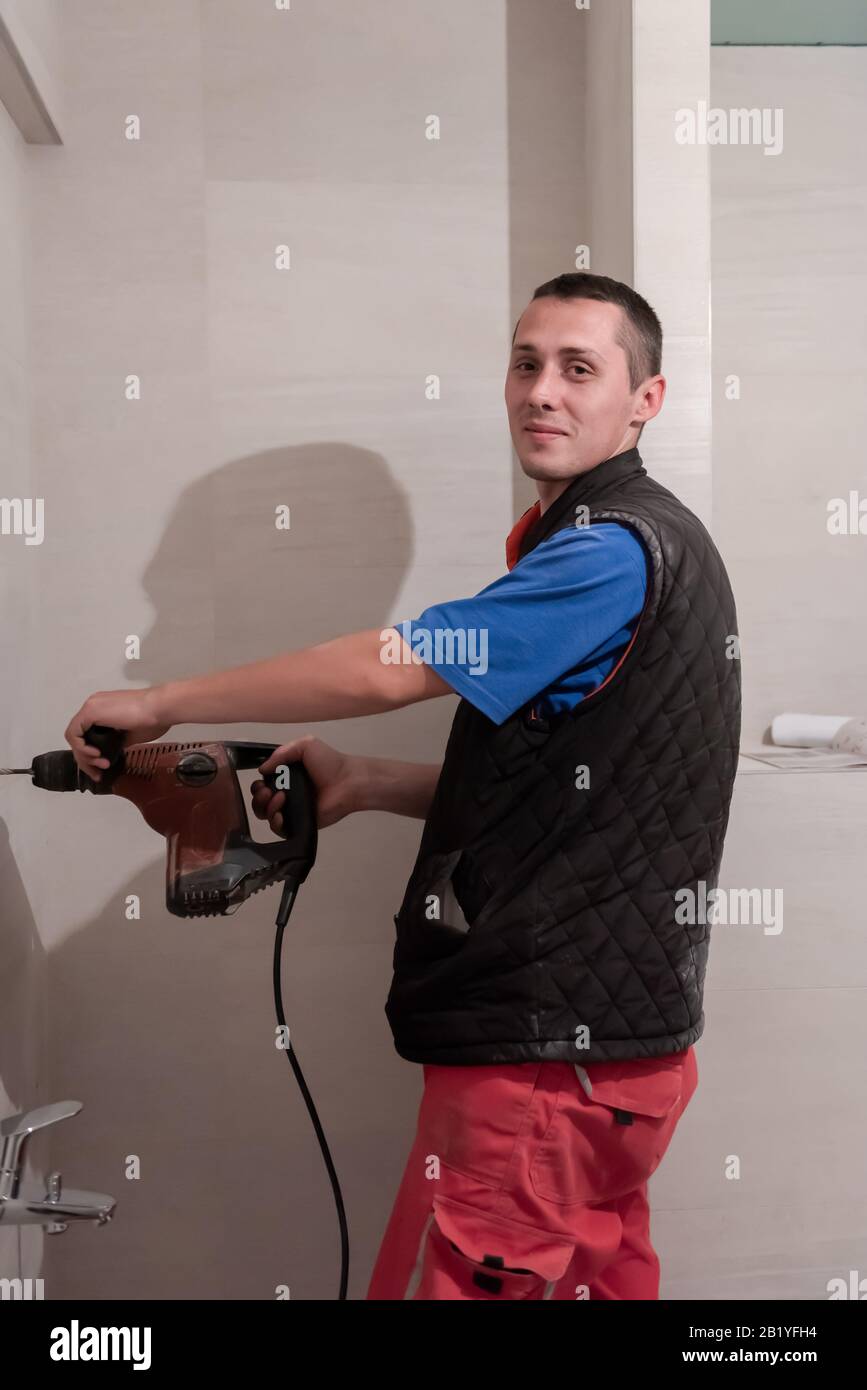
{"x": 549, "y": 631}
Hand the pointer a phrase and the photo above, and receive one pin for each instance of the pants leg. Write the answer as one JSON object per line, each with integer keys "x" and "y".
{"x": 633, "y": 1269}
{"x": 404, "y": 1233}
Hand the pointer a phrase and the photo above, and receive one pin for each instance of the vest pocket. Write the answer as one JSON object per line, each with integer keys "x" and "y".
{"x": 431, "y": 923}
{"x": 470, "y": 888}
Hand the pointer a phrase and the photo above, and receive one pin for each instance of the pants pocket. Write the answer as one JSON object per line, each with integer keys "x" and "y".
{"x": 472, "y": 1118}
{"x": 467, "y": 1254}
{"x": 601, "y": 1148}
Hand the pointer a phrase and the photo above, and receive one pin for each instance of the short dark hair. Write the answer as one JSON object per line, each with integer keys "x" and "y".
{"x": 641, "y": 334}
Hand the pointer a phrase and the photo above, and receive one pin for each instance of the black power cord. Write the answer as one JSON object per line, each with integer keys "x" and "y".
{"x": 290, "y": 888}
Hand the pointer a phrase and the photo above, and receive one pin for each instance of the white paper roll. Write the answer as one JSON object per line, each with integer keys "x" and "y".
{"x": 807, "y": 730}
{"x": 851, "y": 738}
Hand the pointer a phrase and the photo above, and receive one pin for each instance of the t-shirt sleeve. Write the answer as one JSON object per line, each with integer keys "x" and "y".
{"x": 561, "y": 607}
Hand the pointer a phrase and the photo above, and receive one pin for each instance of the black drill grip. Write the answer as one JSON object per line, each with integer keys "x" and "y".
{"x": 110, "y": 744}
{"x": 108, "y": 741}
{"x": 299, "y": 805}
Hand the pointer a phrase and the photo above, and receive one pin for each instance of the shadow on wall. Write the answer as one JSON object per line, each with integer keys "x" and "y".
{"x": 21, "y": 961}
{"x": 22, "y": 965}
{"x": 164, "y": 1027}
{"x": 228, "y": 587}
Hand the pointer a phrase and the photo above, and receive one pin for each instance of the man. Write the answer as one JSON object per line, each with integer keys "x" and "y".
{"x": 546, "y": 975}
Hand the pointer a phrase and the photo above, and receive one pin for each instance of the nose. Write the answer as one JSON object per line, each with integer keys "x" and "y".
{"x": 545, "y": 386}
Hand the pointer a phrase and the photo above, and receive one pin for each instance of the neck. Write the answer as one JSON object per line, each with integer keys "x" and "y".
{"x": 549, "y": 489}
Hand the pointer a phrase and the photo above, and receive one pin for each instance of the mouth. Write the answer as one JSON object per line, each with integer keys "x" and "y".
{"x": 543, "y": 432}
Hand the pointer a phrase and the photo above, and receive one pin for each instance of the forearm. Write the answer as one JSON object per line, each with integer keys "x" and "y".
{"x": 406, "y": 789}
{"x": 340, "y": 679}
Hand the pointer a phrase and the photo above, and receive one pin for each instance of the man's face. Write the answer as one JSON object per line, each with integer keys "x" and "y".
{"x": 567, "y": 372}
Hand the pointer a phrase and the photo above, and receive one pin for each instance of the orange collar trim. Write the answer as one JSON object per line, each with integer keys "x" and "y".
{"x": 519, "y": 531}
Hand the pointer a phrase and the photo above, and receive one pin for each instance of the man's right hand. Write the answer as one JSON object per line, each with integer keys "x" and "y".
{"x": 332, "y": 774}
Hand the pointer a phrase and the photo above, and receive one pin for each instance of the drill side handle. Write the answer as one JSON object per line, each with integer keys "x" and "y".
{"x": 108, "y": 741}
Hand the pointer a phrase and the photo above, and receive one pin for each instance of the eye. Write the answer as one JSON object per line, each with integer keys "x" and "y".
{"x": 576, "y": 366}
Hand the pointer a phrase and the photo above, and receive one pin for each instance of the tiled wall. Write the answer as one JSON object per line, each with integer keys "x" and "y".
{"x": 789, "y": 284}
{"x": 408, "y": 257}
{"x": 762, "y": 1194}
{"x": 23, "y": 861}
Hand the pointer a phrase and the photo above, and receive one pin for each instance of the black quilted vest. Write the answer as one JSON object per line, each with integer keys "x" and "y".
{"x": 540, "y": 914}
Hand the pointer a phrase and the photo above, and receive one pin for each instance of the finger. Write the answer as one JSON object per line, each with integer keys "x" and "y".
{"x": 263, "y": 794}
{"x": 266, "y": 802}
{"x": 286, "y": 753}
{"x": 74, "y": 732}
{"x": 79, "y": 747}
{"x": 276, "y": 823}
{"x": 267, "y": 797}
{"x": 275, "y": 804}
{"x": 88, "y": 758}
{"x": 84, "y": 750}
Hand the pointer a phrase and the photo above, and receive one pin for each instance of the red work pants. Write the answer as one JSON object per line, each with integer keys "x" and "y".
{"x": 521, "y": 1184}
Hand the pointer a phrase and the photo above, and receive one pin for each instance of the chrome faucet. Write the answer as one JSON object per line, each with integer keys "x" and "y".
{"x": 55, "y": 1208}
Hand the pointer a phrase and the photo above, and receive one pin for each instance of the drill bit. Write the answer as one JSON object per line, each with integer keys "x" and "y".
{"x": 4, "y": 771}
